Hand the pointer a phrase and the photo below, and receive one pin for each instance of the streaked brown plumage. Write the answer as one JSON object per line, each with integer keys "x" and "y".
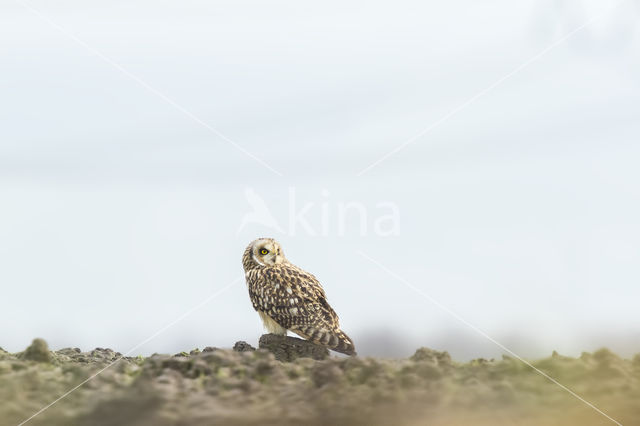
{"x": 289, "y": 298}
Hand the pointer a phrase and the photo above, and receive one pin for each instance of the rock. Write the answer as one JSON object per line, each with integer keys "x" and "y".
{"x": 435, "y": 357}
{"x": 220, "y": 358}
{"x": 68, "y": 351}
{"x": 210, "y": 349}
{"x": 286, "y": 348}
{"x": 243, "y": 346}
{"x": 38, "y": 351}
{"x": 102, "y": 355}
{"x": 177, "y": 363}
{"x": 326, "y": 373}
{"x": 605, "y": 356}
{"x": 586, "y": 356}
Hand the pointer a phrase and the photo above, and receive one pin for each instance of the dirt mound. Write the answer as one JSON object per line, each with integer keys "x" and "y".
{"x": 248, "y": 386}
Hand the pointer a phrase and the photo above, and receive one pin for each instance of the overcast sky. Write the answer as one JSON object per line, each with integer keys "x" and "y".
{"x": 144, "y": 144}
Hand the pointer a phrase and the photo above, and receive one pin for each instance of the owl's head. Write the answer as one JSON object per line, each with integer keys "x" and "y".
{"x": 263, "y": 252}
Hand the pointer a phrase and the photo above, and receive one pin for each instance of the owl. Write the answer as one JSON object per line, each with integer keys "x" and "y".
{"x": 289, "y": 298}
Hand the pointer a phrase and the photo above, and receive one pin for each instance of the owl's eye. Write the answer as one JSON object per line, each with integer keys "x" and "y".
{"x": 264, "y": 251}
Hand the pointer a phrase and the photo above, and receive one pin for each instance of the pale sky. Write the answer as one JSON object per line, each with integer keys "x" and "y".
{"x": 122, "y": 204}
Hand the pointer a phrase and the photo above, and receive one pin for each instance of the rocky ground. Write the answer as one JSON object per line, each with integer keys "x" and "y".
{"x": 288, "y": 381}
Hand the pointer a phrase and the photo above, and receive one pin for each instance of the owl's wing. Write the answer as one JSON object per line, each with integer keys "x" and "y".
{"x": 291, "y": 297}
{"x": 295, "y": 300}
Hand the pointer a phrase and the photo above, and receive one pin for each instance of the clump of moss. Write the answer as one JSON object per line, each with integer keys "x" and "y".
{"x": 38, "y": 351}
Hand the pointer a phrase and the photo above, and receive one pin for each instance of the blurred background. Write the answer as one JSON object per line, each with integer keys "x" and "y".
{"x": 144, "y": 144}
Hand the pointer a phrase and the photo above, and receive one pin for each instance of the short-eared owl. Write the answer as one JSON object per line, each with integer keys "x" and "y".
{"x": 289, "y": 298}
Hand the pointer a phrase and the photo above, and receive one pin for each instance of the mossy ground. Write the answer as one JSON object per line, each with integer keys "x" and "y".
{"x": 227, "y": 387}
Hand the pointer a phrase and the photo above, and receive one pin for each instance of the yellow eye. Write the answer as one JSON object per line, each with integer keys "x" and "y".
{"x": 264, "y": 251}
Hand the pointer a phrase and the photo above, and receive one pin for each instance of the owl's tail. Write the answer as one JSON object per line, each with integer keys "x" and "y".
{"x": 336, "y": 340}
